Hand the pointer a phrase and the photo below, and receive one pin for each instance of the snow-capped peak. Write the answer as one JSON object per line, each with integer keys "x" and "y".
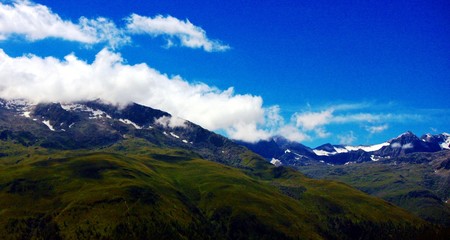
{"x": 405, "y": 134}
{"x": 344, "y": 149}
{"x": 370, "y": 148}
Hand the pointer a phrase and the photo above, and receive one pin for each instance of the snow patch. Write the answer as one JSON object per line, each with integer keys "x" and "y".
{"x": 93, "y": 113}
{"x": 446, "y": 144}
{"x": 323, "y": 153}
{"x": 287, "y": 151}
{"x": 174, "y": 135}
{"x": 341, "y": 150}
{"x": 371, "y": 148}
{"x": 276, "y": 162}
{"x": 26, "y": 114}
{"x": 185, "y": 141}
{"x": 47, "y": 123}
{"x": 18, "y": 104}
{"x": 126, "y": 121}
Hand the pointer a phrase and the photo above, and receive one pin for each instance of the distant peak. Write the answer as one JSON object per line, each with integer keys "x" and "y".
{"x": 407, "y": 134}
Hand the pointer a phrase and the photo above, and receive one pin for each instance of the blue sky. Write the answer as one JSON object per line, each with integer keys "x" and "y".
{"x": 353, "y": 72}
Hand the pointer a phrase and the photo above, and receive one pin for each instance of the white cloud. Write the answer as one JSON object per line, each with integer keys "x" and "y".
{"x": 374, "y": 118}
{"x": 171, "y": 122}
{"x": 273, "y": 117}
{"x": 104, "y": 30}
{"x": 347, "y": 139}
{"x": 396, "y": 145}
{"x": 248, "y": 132}
{"x": 314, "y": 123}
{"x": 109, "y": 78}
{"x": 173, "y": 29}
{"x": 37, "y": 22}
{"x": 321, "y": 133}
{"x": 292, "y": 133}
{"x": 407, "y": 146}
{"x": 377, "y": 129}
{"x": 311, "y": 120}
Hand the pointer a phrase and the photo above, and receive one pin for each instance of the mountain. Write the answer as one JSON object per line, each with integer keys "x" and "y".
{"x": 94, "y": 124}
{"x": 442, "y": 139}
{"x": 296, "y": 154}
{"x": 91, "y": 170}
{"x": 418, "y": 182}
{"x": 286, "y": 152}
{"x": 408, "y": 171}
{"x": 407, "y": 143}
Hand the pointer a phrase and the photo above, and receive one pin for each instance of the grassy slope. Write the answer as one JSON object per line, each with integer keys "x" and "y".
{"x": 132, "y": 190}
{"x": 415, "y": 187}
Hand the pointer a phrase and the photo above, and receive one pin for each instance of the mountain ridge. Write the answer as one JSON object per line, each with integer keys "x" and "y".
{"x": 328, "y": 153}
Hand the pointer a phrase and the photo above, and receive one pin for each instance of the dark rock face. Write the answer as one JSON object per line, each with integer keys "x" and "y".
{"x": 136, "y": 113}
{"x": 266, "y": 148}
{"x": 56, "y": 115}
{"x": 407, "y": 143}
{"x": 445, "y": 164}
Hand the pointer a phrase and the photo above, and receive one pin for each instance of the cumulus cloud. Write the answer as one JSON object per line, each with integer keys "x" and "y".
{"x": 109, "y": 78}
{"x": 37, "y": 22}
{"x": 184, "y": 32}
{"x": 247, "y": 131}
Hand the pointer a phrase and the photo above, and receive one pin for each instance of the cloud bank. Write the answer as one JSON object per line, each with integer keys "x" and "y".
{"x": 109, "y": 78}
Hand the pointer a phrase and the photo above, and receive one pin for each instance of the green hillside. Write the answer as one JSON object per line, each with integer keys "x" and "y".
{"x": 134, "y": 191}
{"x": 418, "y": 182}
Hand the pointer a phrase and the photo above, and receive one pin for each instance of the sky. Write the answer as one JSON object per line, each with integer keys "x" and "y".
{"x": 344, "y": 72}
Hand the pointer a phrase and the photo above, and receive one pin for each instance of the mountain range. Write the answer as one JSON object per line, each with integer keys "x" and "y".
{"x": 283, "y": 152}
{"x": 92, "y": 170}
